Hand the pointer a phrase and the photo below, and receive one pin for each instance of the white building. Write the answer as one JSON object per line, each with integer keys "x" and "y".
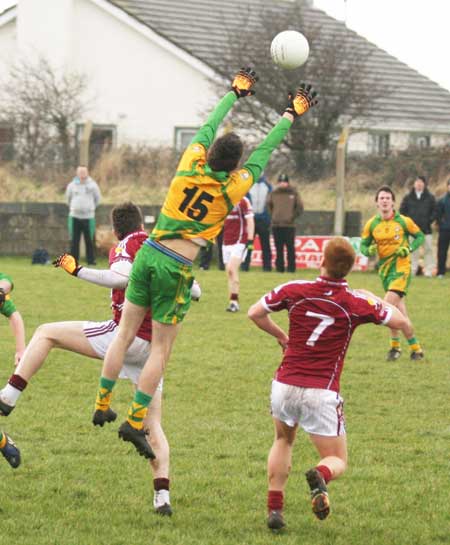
{"x": 150, "y": 65}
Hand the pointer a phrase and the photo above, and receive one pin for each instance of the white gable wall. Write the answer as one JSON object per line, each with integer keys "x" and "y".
{"x": 8, "y": 45}
{"x": 138, "y": 86}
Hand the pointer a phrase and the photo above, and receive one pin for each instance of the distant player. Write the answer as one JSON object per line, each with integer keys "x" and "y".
{"x": 203, "y": 191}
{"x": 92, "y": 339}
{"x": 323, "y": 315}
{"x": 388, "y": 233}
{"x": 238, "y": 233}
{"x": 8, "y": 448}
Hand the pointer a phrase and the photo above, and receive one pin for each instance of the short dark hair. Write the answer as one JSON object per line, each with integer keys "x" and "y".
{"x": 283, "y": 178}
{"x": 338, "y": 257}
{"x": 422, "y": 179}
{"x": 225, "y": 153}
{"x": 385, "y": 188}
{"x": 126, "y": 218}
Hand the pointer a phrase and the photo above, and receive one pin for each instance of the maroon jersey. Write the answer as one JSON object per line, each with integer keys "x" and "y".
{"x": 322, "y": 317}
{"x": 123, "y": 253}
{"x": 235, "y": 226}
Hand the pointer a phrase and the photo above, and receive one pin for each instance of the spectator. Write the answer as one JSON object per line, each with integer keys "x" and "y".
{"x": 206, "y": 254}
{"x": 420, "y": 205}
{"x": 83, "y": 196}
{"x": 443, "y": 218}
{"x": 285, "y": 206}
{"x": 258, "y": 196}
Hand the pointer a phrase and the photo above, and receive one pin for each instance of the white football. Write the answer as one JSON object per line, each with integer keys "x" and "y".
{"x": 289, "y": 49}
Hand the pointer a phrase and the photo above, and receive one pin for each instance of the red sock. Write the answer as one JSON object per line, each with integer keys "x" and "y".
{"x": 234, "y": 297}
{"x": 275, "y": 500}
{"x": 326, "y": 473}
{"x": 16, "y": 381}
{"x": 161, "y": 484}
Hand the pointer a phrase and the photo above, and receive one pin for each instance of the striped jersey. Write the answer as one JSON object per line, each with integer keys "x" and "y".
{"x": 323, "y": 315}
{"x": 235, "y": 226}
{"x": 121, "y": 257}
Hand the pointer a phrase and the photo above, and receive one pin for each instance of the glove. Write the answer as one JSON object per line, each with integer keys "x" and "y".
{"x": 250, "y": 245}
{"x": 403, "y": 251}
{"x": 372, "y": 250}
{"x": 243, "y": 82}
{"x": 303, "y": 100}
{"x": 2, "y": 297}
{"x": 68, "y": 263}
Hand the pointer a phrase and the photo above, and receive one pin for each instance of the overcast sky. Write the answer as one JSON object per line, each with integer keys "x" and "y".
{"x": 414, "y": 31}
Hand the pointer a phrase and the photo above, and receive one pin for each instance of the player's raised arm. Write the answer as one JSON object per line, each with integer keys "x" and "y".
{"x": 304, "y": 99}
{"x": 241, "y": 87}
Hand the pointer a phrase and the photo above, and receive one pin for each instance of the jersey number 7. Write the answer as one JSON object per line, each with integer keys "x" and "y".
{"x": 325, "y": 321}
{"x": 198, "y": 210}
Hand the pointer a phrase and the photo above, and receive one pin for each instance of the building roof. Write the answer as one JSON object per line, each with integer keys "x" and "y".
{"x": 198, "y": 24}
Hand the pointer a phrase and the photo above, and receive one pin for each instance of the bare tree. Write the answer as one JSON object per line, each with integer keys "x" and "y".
{"x": 42, "y": 106}
{"x": 337, "y": 67}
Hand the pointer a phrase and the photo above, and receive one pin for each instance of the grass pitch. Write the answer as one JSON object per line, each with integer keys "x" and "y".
{"x": 79, "y": 485}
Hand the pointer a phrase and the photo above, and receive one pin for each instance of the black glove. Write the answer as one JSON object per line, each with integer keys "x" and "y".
{"x": 250, "y": 246}
{"x": 68, "y": 263}
{"x": 2, "y": 297}
{"x": 304, "y": 99}
{"x": 243, "y": 82}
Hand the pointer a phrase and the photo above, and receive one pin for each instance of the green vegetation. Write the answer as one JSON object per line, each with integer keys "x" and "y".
{"x": 79, "y": 485}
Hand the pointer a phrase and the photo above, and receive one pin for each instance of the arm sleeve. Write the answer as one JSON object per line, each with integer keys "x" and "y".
{"x": 207, "y": 133}
{"x": 107, "y": 278}
{"x": 68, "y": 194}
{"x": 404, "y": 206}
{"x": 366, "y": 239}
{"x": 259, "y": 158}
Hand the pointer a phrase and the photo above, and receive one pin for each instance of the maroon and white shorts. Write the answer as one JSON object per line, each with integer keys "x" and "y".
{"x": 317, "y": 411}
{"x": 101, "y": 334}
{"x": 234, "y": 250}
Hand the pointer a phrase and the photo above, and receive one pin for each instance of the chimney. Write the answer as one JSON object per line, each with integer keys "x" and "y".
{"x": 45, "y": 30}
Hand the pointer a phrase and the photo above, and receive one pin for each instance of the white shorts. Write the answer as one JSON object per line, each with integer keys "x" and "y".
{"x": 317, "y": 411}
{"x": 101, "y": 334}
{"x": 234, "y": 250}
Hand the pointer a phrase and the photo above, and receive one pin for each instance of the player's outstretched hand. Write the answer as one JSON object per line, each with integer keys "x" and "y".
{"x": 2, "y": 297}
{"x": 304, "y": 99}
{"x": 404, "y": 251}
{"x": 68, "y": 263}
{"x": 243, "y": 82}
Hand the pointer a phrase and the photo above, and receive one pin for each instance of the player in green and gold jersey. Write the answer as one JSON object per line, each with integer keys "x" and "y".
{"x": 7, "y": 308}
{"x": 388, "y": 234}
{"x": 204, "y": 190}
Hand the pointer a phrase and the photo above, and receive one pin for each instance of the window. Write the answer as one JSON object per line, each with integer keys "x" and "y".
{"x": 183, "y": 136}
{"x": 6, "y": 143}
{"x": 379, "y": 143}
{"x": 421, "y": 141}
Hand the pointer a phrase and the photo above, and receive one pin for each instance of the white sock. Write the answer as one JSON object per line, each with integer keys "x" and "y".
{"x": 160, "y": 497}
{"x": 9, "y": 394}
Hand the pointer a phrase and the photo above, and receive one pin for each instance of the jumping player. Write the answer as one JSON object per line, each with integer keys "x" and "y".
{"x": 92, "y": 339}
{"x": 305, "y": 391}
{"x": 388, "y": 234}
{"x": 203, "y": 192}
{"x": 8, "y": 448}
{"x": 238, "y": 233}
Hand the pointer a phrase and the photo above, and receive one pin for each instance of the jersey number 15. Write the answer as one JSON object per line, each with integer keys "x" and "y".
{"x": 198, "y": 209}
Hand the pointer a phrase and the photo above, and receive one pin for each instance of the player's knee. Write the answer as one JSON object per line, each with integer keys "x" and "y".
{"x": 45, "y": 331}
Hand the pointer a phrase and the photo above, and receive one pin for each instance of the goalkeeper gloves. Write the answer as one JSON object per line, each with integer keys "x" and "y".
{"x": 250, "y": 245}
{"x": 243, "y": 82}
{"x": 372, "y": 250}
{"x": 2, "y": 297}
{"x": 68, "y": 263}
{"x": 304, "y": 99}
{"x": 403, "y": 251}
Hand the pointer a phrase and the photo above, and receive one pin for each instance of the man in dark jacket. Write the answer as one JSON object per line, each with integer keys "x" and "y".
{"x": 443, "y": 218}
{"x": 258, "y": 196}
{"x": 420, "y": 205}
{"x": 285, "y": 206}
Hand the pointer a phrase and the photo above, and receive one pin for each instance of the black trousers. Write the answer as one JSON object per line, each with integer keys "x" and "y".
{"x": 206, "y": 254}
{"x": 262, "y": 229}
{"x": 443, "y": 244}
{"x": 82, "y": 227}
{"x": 284, "y": 237}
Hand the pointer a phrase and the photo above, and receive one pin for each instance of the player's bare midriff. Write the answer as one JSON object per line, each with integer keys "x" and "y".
{"x": 186, "y": 248}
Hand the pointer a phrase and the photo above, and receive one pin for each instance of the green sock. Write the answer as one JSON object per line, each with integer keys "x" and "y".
{"x": 414, "y": 345}
{"x": 104, "y": 394}
{"x": 138, "y": 409}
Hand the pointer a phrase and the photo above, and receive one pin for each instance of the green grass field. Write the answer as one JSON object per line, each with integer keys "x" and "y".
{"x": 79, "y": 485}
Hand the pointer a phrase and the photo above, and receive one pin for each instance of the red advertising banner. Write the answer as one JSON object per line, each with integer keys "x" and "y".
{"x": 309, "y": 252}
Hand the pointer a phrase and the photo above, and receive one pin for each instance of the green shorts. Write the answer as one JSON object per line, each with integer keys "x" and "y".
{"x": 395, "y": 274}
{"x": 161, "y": 279}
